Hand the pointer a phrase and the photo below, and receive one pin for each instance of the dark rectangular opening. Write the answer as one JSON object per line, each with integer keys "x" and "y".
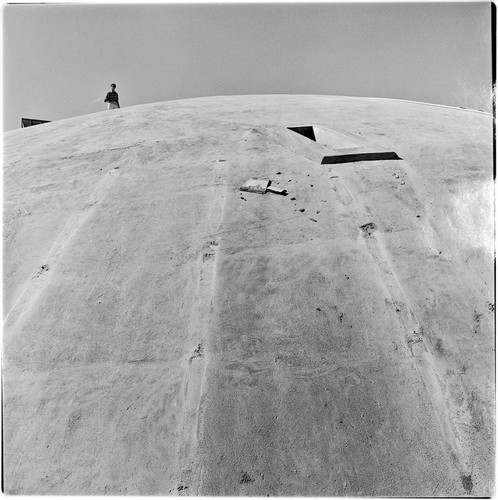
{"x": 347, "y": 158}
{"x": 306, "y": 131}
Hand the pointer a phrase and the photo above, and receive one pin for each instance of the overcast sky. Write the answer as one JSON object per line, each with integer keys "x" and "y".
{"x": 59, "y": 60}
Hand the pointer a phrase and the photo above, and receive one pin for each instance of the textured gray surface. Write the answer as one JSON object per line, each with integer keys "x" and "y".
{"x": 166, "y": 333}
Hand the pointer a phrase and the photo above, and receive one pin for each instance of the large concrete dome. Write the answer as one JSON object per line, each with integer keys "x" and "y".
{"x": 167, "y": 333}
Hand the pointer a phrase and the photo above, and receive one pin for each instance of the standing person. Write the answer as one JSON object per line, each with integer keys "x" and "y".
{"x": 112, "y": 98}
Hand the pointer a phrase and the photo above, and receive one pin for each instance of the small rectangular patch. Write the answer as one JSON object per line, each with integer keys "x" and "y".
{"x": 255, "y": 186}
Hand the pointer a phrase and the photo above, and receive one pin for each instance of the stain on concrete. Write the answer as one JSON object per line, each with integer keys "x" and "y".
{"x": 368, "y": 229}
{"x": 467, "y": 483}
{"x": 245, "y": 478}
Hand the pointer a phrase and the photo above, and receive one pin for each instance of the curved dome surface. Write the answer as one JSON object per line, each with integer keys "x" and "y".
{"x": 167, "y": 333}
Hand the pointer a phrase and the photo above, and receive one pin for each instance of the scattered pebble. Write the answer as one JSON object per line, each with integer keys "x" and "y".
{"x": 314, "y": 220}
{"x": 301, "y": 209}
{"x": 278, "y": 173}
{"x": 293, "y": 198}
{"x": 318, "y": 309}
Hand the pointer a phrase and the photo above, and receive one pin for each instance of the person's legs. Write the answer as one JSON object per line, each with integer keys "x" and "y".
{"x": 112, "y": 105}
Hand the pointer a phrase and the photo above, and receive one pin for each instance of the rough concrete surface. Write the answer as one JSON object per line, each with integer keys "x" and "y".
{"x": 167, "y": 333}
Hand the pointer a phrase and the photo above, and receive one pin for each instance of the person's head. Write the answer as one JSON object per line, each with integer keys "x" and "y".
{"x": 113, "y": 87}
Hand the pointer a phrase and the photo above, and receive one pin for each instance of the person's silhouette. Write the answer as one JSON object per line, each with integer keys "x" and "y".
{"x": 112, "y": 98}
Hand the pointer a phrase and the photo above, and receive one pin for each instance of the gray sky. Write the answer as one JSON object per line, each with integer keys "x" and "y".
{"x": 59, "y": 60}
